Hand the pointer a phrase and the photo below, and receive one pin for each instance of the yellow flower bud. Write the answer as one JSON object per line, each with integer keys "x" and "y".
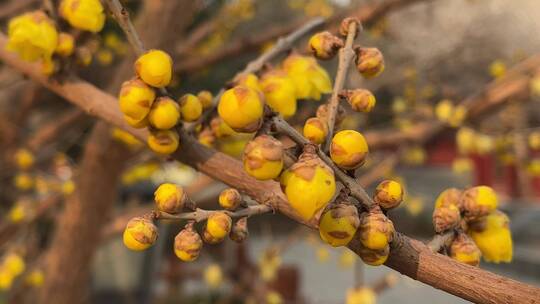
{"x": 388, "y": 194}
{"x": 450, "y": 196}
{"x": 164, "y": 114}
{"x": 137, "y": 124}
{"x": 315, "y": 130}
{"x": 104, "y": 56}
{"x": 361, "y": 295}
{"x": 373, "y": 257}
{"x": 83, "y": 56}
{"x": 446, "y": 218}
{"x": 322, "y": 113}
{"x": 170, "y": 198}
{"x": 24, "y": 159}
{"x": 163, "y": 141}
{"x": 239, "y": 231}
{"x": 464, "y": 250}
{"x": 140, "y": 234}
{"x": 345, "y": 24}
{"x": 497, "y": 69}
{"x": 136, "y": 99}
{"x": 230, "y": 199}
{"x": 191, "y": 107}
{"x": 66, "y": 44}
{"x": 495, "y": 239}
{"x": 220, "y": 128}
{"x": 349, "y": 149}
{"x": 187, "y": 244}
{"x": 369, "y": 62}
{"x": 273, "y": 297}
{"x": 263, "y": 157}
{"x": 68, "y": 187}
{"x": 478, "y": 202}
{"x": 18, "y": 212}
{"x": 24, "y": 181}
{"x": 249, "y": 80}
{"x": 361, "y": 100}
{"x": 6, "y": 280}
{"x": 217, "y": 227}
{"x": 324, "y": 45}
{"x": 279, "y": 92}
{"x": 48, "y": 66}
{"x": 206, "y": 137}
{"x": 309, "y": 185}
{"x": 205, "y": 97}
{"x": 86, "y": 15}
{"x": 154, "y": 68}
{"x": 338, "y": 224}
{"x": 376, "y": 231}
{"x": 32, "y": 36}
{"x": 534, "y": 140}
{"x": 241, "y": 108}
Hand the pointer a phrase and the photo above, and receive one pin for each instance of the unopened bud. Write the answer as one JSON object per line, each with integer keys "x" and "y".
{"x": 324, "y": 45}
{"x": 217, "y": 227}
{"x": 361, "y": 100}
{"x": 187, "y": 244}
{"x": 170, "y": 198}
{"x": 376, "y": 230}
{"x": 140, "y": 234}
{"x": 230, "y": 199}
{"x": 338, "y": 224}
{"x": 388, "y": 194}
{"x": 239, "y": 231}
{"x": 446, "y": 218}
{"x": 346, "y": 24}
{"x": 369, "y": 62}
{"x": 463, "y": 249}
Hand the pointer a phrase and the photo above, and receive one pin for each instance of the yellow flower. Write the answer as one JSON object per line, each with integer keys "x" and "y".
{"x": 322, "y": 254}
{"x": 140, "y": 234}
{"x": 241, "y": 108}
{"x": 495, "y": 240}
{"x": 369, "y": 62}
{"x": 205, "y": 97}
{"x": 137, "y": 124}
{"x": 154, "y": 68}
{"x": 36, "y": 278}
{"x": 414, "y": 155}
{"x": 534, "y": 86}
{"x": 279, "y": 92}
{"x": 347, "y": 259}
{"x": 464, "y": 250}
{"x": 361, "y": 100}
{"x": 533, "y": 167}
{"x": 263, "y": 157}
{"x": 66, "y": 44}
{"x": 85, "y": 15}
{"x": 213, "y": 276}
{"x": 450, "y": 196}
{"x": 310, "y": 79}
{"x": 534, "y": 140}
{"x": 338, "y": 224}
{"x": 6, "y": 280}
{"x": 206, "y": 138}
{"x": 220, "y": 129}
{"x": 376, "y": 231}
{"x": 17, "y": 213}
{"x": 249, "y": 80}
{"x": 187, "y": 244}
{"x": 32, "y": 35}
{"x": 497, "y": 69}
{"x": 465, "y": 140}
{"x": 478, "y": 202}
{"x": 273, "y": 297}
{"x": 68, "y": 187}
{"x": 373, "y": 257}
{"x": 14, "y": 264}
{"x": 163, "y": 141}
{"x": 170, "y": 198}
{"x": 164, "y": 113}
{"x": 218, "y": 226}
{"x": 24, "y": 181}
{"x": 269, "y": 263}
{"x": 361, "y": 295}
{"x": 105, "y": 56}
{"x": 315, "y": 130}
{"x": 349, "y": 149}
{"x": 125, "y": 137}
{"x": 136, "y": 99}
{"x": 191, "y": 107}
{"x": 324, "y": 45}
{"x": 309, "y": 185}
{"x": 462, "y": 165}
{"x": 24, "y": 159}
{"x": 230, "y": 199}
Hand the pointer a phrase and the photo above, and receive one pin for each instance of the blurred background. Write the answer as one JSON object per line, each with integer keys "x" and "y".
{"x": 438, "y": 53}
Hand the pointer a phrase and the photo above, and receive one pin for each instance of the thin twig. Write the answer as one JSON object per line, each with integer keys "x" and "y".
{"x": 200, "y": 214}
{"x": 121, "y": 15}
{"x": 357, "y": 191}
{"x": 282, "y": 45}
{"x": 346, "y": 54}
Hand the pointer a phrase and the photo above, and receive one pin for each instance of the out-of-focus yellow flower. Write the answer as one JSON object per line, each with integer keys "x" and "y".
{"x": 466, "y": 140}
{"x": 497, "y": 68}
{"x": 273, "y": 297}
{"x": 269, "y": 263}
{"x": 534, "y": 140}
{"x": 279, "y": 92}
{"x": 36, "y": 278}
{"x": 126, "y": 138}
{"x": 23, "y": 181}
{"x": 347, "y": 259}
{"x": 414, "y": 205}
{"x": 86, "y": 15}
{"x": 213, "y": 276}
{"x": 14, "y": 264}
{"x": 139, "y": 173}
{"x": 68, "y": 187}
{"x": 310, "y": 79}
{"x": 462, "y": 165}
{"x": 361, "y": 295}
{"x": 66, "y": 44}
{"x": 24, "y": 159}
{"x": 6, "y": 279}
{"x": 533, "y": 168}
{"x": 399, "y": 105}
{"x": 484, "y": 144}
{"x": 323, "y": 254}
{"x": 17, "y": 213}
{"x": 415, "y": 155}
{"x": 233, "y": 146}
{"x": 534, "y": 85}
{"x": 113, "y": 41}
{"x": 104, "y": 56}
{"x": 32, "y": 36}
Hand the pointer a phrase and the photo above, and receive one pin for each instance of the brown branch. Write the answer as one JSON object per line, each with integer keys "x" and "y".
{"x": 51, "y": 130}
{"x": 200, "y": 215}
{"x": 346, "y": 55}
{"x": 410, "y": 257}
